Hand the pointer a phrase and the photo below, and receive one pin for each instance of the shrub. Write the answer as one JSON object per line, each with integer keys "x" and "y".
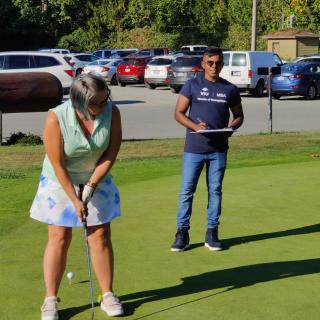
{"x": 22, "y": 138}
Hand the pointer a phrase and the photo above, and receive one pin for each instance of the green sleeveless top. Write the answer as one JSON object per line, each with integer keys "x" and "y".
{"x": 81, "y": 155}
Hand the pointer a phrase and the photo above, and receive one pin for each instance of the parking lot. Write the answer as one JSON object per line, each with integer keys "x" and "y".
{"x": 148, "y": 114}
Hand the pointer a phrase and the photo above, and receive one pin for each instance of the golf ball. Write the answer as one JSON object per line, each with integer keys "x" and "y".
{"x": 70, "y": 275}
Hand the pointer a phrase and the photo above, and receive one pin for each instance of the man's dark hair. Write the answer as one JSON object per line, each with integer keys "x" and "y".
{"x": 213, "y": 51}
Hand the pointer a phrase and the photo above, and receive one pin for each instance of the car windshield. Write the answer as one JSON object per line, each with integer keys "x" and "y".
{"x": 134, "y": 61}
{"x": 121, "y": 54}
{"x": 144, "y": 53}
{"x": 98, "y": 62}
{"x": 86, "y": 57}
{"x": 309, "y": 60}
{"x": 187, "y": 62}
{"x": 160, "y": 62}
{"x": 292, "y": 67}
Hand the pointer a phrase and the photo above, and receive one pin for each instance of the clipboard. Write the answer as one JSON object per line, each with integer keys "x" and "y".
{"x": 214, "y": 130}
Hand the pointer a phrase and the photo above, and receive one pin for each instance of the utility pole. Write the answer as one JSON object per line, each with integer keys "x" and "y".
{"x": 254, "y": 25}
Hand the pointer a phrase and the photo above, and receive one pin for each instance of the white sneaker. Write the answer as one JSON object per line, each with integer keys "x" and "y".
{"x": 111, "y": 305}
{"x": 49, "y": 309}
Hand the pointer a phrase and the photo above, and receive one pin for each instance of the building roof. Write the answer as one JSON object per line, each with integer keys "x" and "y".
{"x": 291, "y": 34}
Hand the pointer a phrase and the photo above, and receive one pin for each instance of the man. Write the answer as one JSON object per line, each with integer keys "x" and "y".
{"x": 208, "y": 98}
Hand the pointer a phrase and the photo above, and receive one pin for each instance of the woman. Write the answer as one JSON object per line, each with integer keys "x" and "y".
{"x": 82, "y": 138}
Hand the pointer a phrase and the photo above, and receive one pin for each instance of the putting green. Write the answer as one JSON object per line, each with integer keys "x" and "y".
{"x": 270, "y": 271}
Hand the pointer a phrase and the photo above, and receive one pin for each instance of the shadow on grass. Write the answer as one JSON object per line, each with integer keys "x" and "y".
{"x": 228, "y": 243}
{"x": 228, "y": 279}
{"x": 118, "y": 102}
{"x": 278, "y": 234}
{"x": 68, "y": 313}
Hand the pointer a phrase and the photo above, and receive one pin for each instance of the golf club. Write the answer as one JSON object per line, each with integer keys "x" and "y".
{"x": 87, "y": 253}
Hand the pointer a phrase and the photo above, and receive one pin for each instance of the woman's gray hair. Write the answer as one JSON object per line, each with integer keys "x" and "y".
{"x": 83, "y": 88}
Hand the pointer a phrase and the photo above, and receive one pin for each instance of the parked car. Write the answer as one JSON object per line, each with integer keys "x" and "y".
{"x": 180, "y": 53}
{"x": 114, "y": 53}
{"x": 103, "y": 53}
{"x": 131, "y": 70}
{"x": 297, "y": 79}
{"x": 36, "y": 61}
{"x": 183, "y": 69}
{"x": 313, "y": 58}
{"x": 79, "y": 60}
{"x": 241, "y": 69}
{"x": 122, "y": 53}
{"x": 150, "y": 52}
{"x": 156, "y": 71}
{"x": 194, "y": 47}
{"x": 104, "y": 67}
{"x": 56, "y": 50}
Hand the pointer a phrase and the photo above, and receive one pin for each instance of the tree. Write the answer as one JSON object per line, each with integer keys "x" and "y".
{"x": 173, "y": 15}
{"x": 57, "y": 17}
{"x": 140, "y": 14}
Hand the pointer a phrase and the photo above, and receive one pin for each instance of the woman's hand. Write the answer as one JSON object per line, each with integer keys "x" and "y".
{"x": 87, "y": 193}
{"x": 81, "y": 209}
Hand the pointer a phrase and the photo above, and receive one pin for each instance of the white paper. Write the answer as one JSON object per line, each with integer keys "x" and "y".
{"x": 214, "y": 130}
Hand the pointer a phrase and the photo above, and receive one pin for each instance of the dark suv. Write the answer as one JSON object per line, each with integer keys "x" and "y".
{"x": 183, "y": 69}
{"x": 150, "y": 52}
{"x": 131, "y": 70}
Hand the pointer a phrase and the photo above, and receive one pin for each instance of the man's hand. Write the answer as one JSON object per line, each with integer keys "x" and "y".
{"x": 228, "y": 134}
{"x": 201, "y": 126}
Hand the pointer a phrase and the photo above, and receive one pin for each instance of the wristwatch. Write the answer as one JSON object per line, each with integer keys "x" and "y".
{"x": 91, "y": 184}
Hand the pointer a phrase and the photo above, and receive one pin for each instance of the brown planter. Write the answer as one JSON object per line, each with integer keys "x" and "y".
{"x": 29, "y": 92}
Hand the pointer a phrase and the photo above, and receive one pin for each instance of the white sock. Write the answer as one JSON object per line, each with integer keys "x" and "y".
{"x": 107, "y": 293}
{"x": 51, "y": 298}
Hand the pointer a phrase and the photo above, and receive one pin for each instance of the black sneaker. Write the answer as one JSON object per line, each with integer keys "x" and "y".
{"x": 212, "y": 241}
{"x": 182, "y": 240}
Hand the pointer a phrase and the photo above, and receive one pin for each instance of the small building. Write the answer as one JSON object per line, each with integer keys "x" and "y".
{"x": 292, "y": 43}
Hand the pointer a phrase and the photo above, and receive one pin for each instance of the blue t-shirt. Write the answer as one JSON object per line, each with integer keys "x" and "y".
{"x": 210, "y": 103}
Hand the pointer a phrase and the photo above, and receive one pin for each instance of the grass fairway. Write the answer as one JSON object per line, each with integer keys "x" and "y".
{"x": 270, "y": 223}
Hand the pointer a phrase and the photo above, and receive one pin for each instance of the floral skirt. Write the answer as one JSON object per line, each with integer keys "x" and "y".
{"x": 51, "y": 204}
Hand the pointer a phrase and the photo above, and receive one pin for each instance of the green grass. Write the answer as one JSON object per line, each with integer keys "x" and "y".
{"x": 269, "y": 221}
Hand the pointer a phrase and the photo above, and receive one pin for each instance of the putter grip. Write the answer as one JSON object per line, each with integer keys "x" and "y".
{"x": 80, "y": 198}
{"x": 80, "y": 191}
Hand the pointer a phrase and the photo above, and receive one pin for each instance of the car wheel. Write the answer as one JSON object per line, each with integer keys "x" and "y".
{"x": 311, "y": 92}
{"x": 150, "y": 85}
{"x": 121, "y": 84}
{"x": 175, "y": 90}
{"x": 114, "y": 80}
{"x": 276, "y": 96}
{"x": 258, "y": 91}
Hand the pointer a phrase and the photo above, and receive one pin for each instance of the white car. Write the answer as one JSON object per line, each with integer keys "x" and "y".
{"x": 56, "y": 50}
{"x": 79, "y": 60}
{"x": 36, "y": 61}
{"x": 313, "y": 58}
{"x": 194, "y": 47}
{"x": 156, "y": 71}
{"x": 241, "y": 69}
{"x": 104, "y": 67}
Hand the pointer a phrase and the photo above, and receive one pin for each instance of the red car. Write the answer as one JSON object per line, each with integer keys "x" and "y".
{"x": 131, "y": 70}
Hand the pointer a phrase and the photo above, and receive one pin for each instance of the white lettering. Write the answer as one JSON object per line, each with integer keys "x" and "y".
{"x": 212, "y": 100}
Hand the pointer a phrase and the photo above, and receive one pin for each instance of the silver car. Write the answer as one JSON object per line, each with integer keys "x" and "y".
{"x": 104, "y": 67}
